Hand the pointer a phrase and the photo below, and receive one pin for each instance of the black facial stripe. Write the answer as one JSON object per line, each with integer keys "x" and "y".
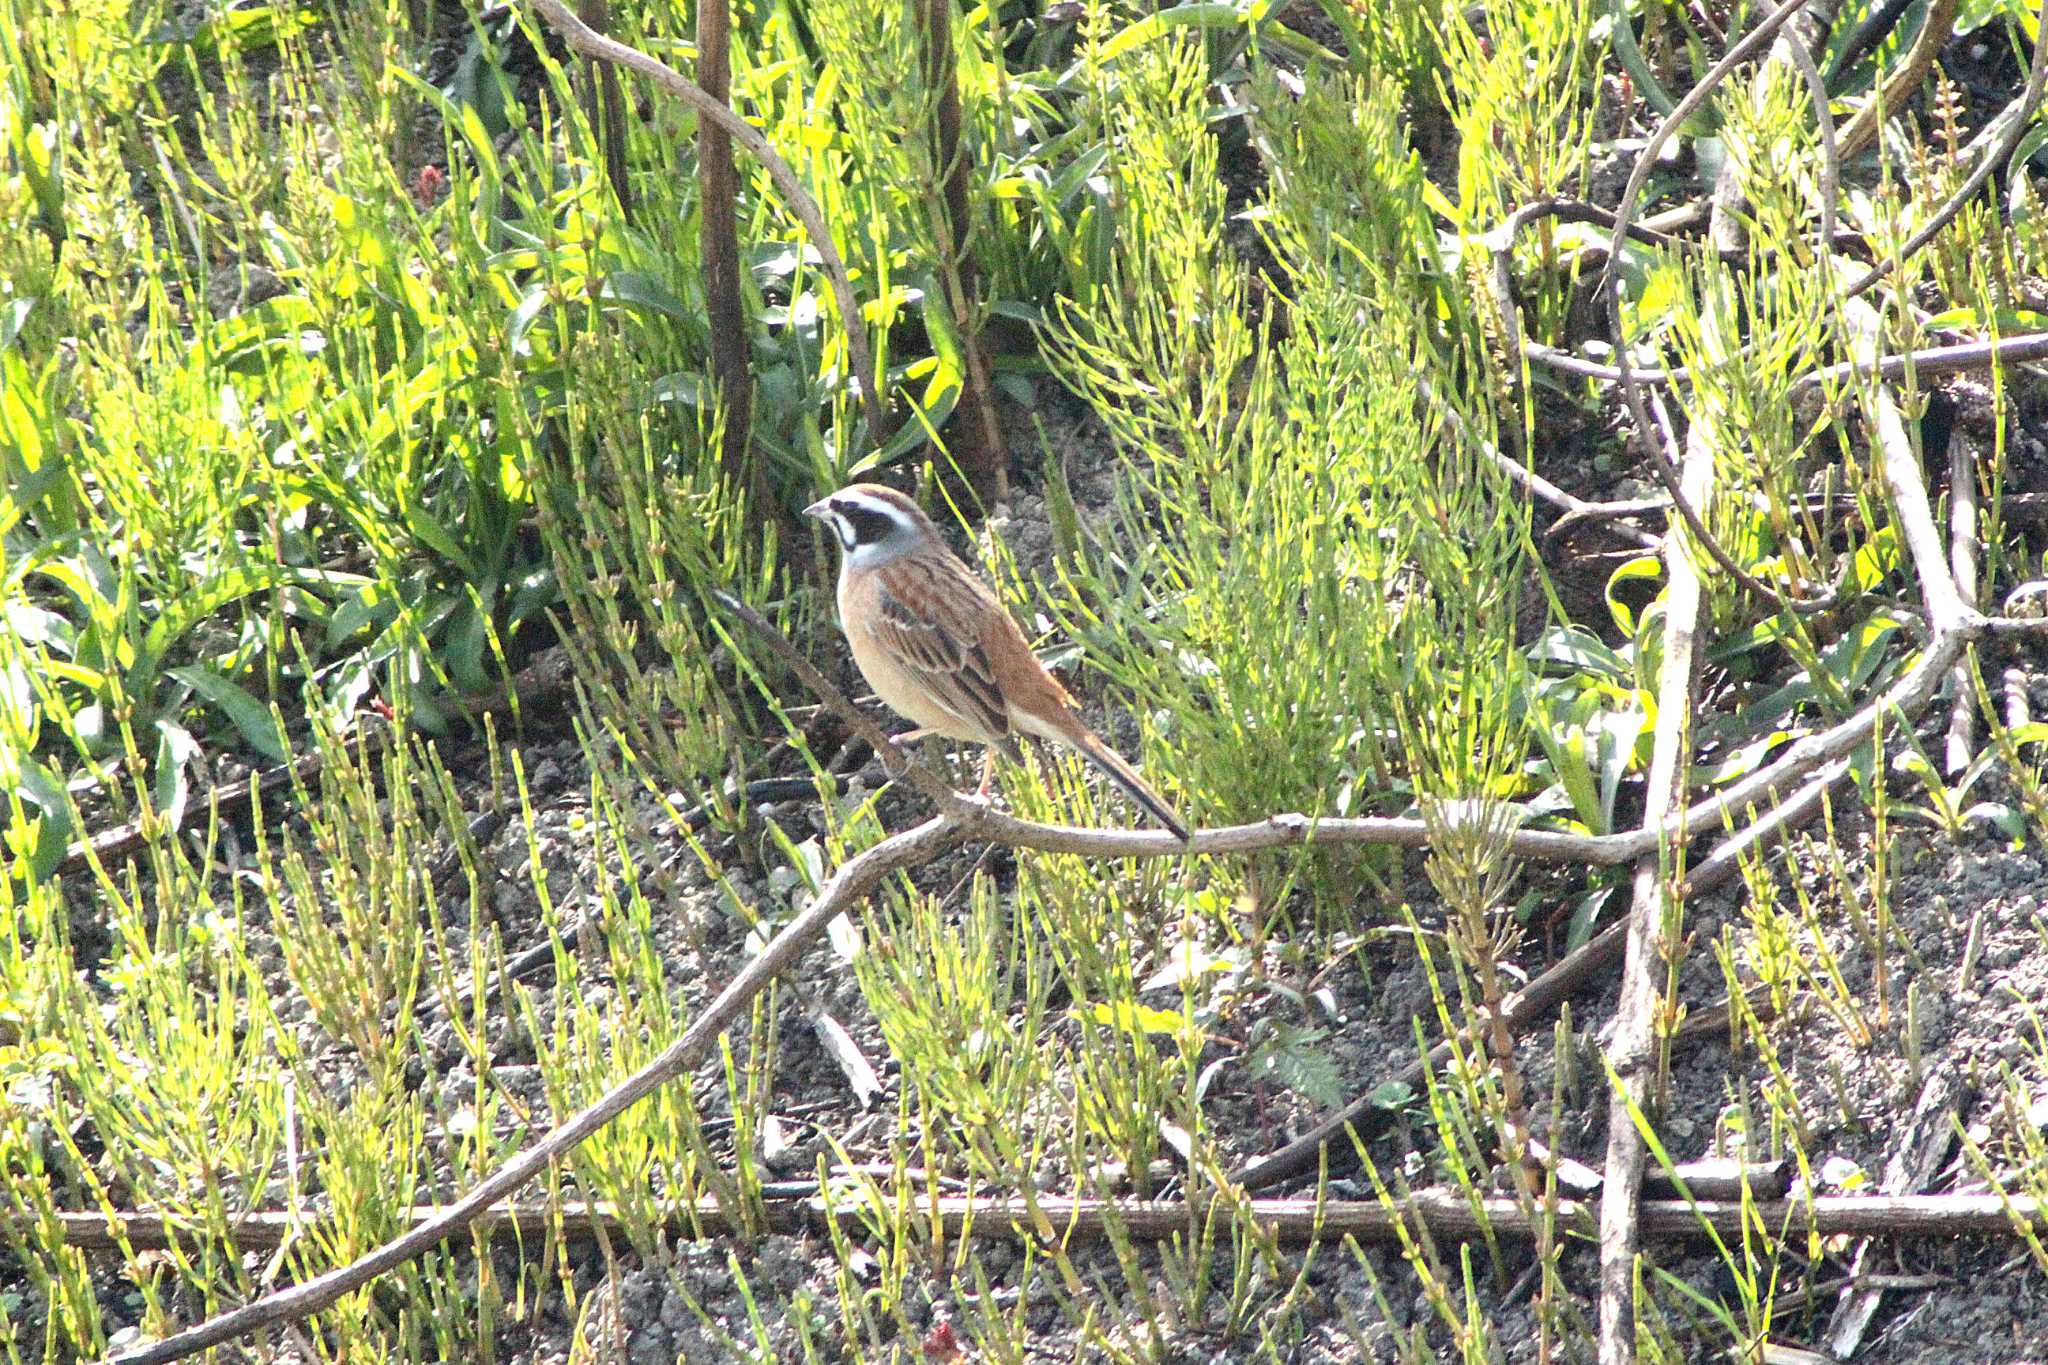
{"x": 864, "y": 526}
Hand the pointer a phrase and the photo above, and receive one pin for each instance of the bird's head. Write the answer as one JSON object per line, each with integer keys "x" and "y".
{"x": 873, "y": 523}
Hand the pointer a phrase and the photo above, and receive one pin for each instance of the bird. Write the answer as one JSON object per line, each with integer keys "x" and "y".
{"x": 936, "y": 644}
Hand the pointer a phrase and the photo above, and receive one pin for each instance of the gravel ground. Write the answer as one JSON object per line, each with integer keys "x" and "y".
{"x": 1966, "y": 962}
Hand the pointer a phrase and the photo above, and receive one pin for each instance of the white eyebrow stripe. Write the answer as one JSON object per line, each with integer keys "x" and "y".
{"x": 868, "y": 503}
{"x": 900, "y": 536}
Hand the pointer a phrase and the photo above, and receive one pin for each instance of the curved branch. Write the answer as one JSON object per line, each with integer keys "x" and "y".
{"x": 2016, "y": 117}
{"x": 1935, "y": 31}
{"x": 965, "y": 818}
{"x": 1970, "y": 355}
{"x": 1612, "y": 285}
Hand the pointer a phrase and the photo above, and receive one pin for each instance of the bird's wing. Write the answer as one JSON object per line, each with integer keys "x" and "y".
{"x": 931, "y": 620}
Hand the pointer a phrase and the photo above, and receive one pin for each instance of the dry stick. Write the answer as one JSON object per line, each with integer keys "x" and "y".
{"x": 1567, "y": 363}
{"x": 1974, "y": 355}
{"x": 1919, "y": 1149}
{"x": 2012, "y": 121}
{"x": 1448, "y": 1214}
{"x": 1657, "y": 900}
{"x": 1908, "y": 696}
{"x": 1965, "y": 555}
{"x": 1727, "y": 223}
{"x": 579, "y": 38}
{"x": 850, "y": 885}
{"x": 2005, "y": 130}
{"x": 1934, "y": 34}
{"x": 1574, "y": 508}
{"x": 138, "y": 834}
{"x": 1654, "y": 905}
{"x": 921, "y": 775}
{"x": 963, "y": 819}
{"x": 535, "y": 684}
{"x": 1831, "y": 153}
{"x": 1949, "y": 611}
{"x": 1645, "y": 429}
{"x": 1906, "y": 481}
{"x": 1874, "y": 29}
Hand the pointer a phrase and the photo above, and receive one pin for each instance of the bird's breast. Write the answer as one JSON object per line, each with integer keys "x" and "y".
{"x": 897, "y": 684}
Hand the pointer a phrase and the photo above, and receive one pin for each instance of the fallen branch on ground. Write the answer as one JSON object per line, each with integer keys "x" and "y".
{"x": 1445, "y": 1213}
{"x": 965, "y": 818}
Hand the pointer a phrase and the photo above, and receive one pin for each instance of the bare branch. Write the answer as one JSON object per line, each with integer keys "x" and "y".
{"x": 1974, "y": 355}
{"x": 1446, "y": 1213}
{"x": 2007, "y": 127}
{"x": 1655, "y": 904}
{"x": 1965, "y": 554}
{"x": 922, "y": 776}
{"x": 1935, "y": 31}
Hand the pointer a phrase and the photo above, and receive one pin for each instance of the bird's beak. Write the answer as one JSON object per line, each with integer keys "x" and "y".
{"x": 818, "y": 508}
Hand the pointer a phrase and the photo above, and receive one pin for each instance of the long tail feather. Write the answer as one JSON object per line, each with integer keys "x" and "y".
{"x": 1125, "y": 776}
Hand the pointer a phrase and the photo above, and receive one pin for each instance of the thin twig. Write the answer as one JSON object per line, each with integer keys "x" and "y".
{"x": 1865, "y": 37}
{"x": 138, "y": 834}
{"x": 1574, "y": 508}
{"x": 1906, "y": 481}
{"x": 1973, "y": 355}
{"x": 1645, "y": 430}
{"x": 1920, "y": 1148}
{"x": 964, "y": 819}
{"x": 1889, "y": 97}
{"x": 1658, "y": 893}
{"x": 1831, "y": 153}
{"x": 535, "y": 686}
{"x": 982, "y": 451}
{"x": 925, "y": 778}
{"x": 1655, "y": 905}
{"x": 1365, "y": 1118}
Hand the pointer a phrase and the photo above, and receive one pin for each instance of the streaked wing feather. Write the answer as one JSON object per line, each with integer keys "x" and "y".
{"x": 941, "y": 645}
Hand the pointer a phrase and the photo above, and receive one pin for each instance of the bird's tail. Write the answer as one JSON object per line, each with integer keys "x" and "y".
{"x": 1125, "y": 776}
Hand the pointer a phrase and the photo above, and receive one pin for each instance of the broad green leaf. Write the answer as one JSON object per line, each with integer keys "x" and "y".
{"x": 1578, "y": 648}
{"x": 47, "y": 836}
{"x": 641, "y": 290}
{"x": 253, "y": 721}
{"x": 1128, "y": 1016}
{"x": 1634, "y": 570}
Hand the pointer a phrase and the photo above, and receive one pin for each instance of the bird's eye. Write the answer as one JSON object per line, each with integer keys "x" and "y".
{"x": 864, "y": 526}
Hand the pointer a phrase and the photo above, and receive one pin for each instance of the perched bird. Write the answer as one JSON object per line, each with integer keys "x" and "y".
{"x": 934, "y": 642}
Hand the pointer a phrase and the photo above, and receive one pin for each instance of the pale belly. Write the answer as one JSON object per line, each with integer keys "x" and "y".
{"x": 904, "y": 695}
